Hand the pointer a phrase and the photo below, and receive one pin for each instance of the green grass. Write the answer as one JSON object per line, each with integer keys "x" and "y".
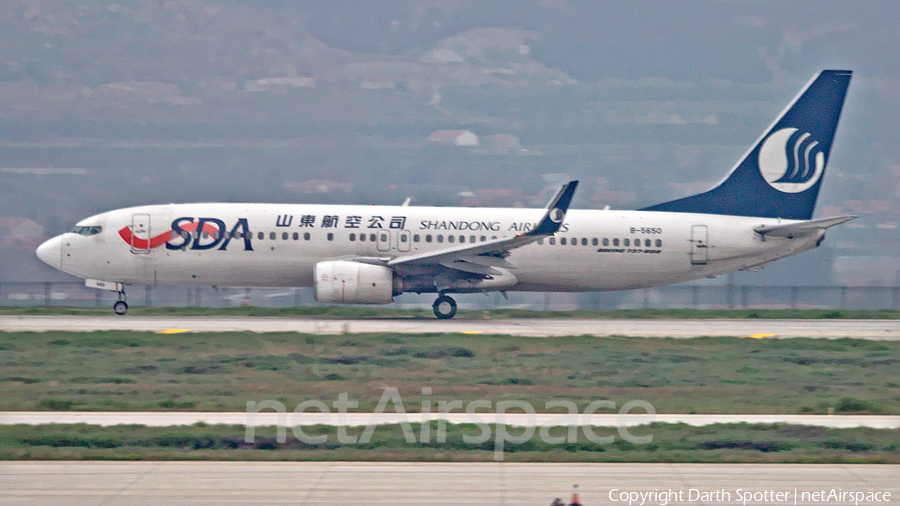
{"x": 670, "y": 443}
{"x": 125, "y": 371}
{"x": 357, "y": 312}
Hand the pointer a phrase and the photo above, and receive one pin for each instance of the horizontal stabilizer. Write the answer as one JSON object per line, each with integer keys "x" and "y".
{"x": 801, "y": 228}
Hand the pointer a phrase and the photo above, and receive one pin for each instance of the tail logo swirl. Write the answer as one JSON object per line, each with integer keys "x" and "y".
{"x": 791, "y": 161}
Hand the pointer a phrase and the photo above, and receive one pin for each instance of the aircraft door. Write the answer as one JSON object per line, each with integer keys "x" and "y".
{"x": 140, "y": 234}
{"x": 403, "y": 240}
{"x": 384, "y": 240}
{"x": 699, "y": 244}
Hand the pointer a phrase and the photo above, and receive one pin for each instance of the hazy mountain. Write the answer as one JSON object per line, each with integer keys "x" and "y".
{"x": 159, "y": 101}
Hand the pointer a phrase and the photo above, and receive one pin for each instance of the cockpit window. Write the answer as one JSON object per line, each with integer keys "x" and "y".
{"x": 87, "y": 230}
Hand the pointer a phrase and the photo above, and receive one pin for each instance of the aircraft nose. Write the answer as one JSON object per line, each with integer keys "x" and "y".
{"x": 50, "y": 252}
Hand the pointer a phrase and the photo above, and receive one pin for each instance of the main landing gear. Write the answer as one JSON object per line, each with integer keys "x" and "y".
{"x": 121, "y": 307}
{"x": 444, "y": 307}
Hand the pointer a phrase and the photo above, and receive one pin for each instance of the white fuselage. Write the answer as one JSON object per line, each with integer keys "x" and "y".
{"x": 603, "y": 250}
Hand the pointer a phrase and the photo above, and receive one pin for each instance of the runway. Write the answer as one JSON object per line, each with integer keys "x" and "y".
{"x": 518, "y": 419}
{"x": 415, "y": 483}
{"x": 884, "y": 330}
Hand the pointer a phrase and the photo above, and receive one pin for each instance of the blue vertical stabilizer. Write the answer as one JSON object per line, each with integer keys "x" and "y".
{"x": 780, "y": 176}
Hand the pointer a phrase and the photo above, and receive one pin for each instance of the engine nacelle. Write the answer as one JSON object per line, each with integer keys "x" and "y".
{"x": 344, "y": 282}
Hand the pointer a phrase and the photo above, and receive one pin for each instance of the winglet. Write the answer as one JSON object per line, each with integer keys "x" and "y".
{"x": 556, "y": 211}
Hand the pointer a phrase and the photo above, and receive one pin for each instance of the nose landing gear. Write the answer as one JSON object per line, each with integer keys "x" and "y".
{"x": 444, "y": 307}
{"x": 121, "y": 307}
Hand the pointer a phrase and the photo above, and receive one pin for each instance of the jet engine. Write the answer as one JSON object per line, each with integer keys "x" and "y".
{"x": 345, "y": 282}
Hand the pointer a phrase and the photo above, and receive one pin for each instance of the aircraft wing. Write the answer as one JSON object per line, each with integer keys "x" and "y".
{"x": 480, "y": 258}
{"x": 801, "y": 228}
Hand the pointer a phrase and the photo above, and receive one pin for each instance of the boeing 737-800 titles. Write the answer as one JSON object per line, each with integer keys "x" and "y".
{"x": 760, "y": 212}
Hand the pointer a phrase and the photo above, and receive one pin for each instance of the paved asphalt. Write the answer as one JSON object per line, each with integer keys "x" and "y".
{"x": 415, "y": 483}
{"x": 828, "y": 329}
{"x": 343, "y": 483}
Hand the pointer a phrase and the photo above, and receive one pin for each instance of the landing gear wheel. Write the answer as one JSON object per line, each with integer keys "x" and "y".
{"x": 444, "y": 307}
{"x": 120, "y": 307}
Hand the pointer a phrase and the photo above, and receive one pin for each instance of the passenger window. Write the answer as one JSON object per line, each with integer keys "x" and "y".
{"x": 306, "y": 236}
{"x": 451, "y": 238}
{"x": 646, "y": 243}
{"x": 562, "y": 241}
{"x": 416, "y": 238}
{"x": 352, "y": 237}
{"x": 428, "y": 238}
{"x": 605, "y": 241}
{"x": 626, "y": 242}
{"x": 483, "y": 238}
{"x": 296, "y": 236}
{"x": 615, "y": 242}
{"x": 440, "y": 238}
{"x": 403, "y": 238}
{"x": 330, "y": 236}
{"x": 552, "y": 241}
{"x": 272, "y": 235}
{"x": 659, "y": 243}
{"x": 384, "y": 238}
{"x": 471, "y": 238}
{"x": 260, "y": 236}
{"x": 584, "y": 241}
{"x": 284, "y": 236}
{"x": 362, "y": 237}
{"x": 371, "y": 237}
{"x": 594, "y": 241}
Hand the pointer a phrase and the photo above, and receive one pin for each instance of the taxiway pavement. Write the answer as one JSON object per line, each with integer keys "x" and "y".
{"x": 416, "y": 483}
{"x": 888, "y": 330}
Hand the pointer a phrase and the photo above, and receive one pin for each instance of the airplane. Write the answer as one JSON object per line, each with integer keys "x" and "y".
{"x": 350, "y": 254}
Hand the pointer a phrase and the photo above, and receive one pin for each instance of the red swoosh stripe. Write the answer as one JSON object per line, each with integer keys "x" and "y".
{"x": 154, "y": 242}
{"x": 125, "y": 233}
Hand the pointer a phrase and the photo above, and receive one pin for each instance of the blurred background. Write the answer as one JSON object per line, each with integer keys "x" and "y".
{"x": 452, "y": 103}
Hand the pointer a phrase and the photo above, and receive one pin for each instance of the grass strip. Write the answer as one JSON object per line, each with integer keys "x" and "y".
{"x": 143, "y": 371}
{"x": 726, "y": 443}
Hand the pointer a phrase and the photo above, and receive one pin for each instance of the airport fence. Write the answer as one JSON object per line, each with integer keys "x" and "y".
{"x": 727, "y": 296}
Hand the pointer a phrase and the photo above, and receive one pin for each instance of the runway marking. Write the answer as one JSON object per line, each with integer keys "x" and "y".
{"x": 881, "y": 330}
{"x": 173, "y": 331}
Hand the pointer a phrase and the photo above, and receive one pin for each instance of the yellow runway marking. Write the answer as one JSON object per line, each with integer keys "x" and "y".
{"x": 471, "y": 332}
{"x": 173, "y": 331}
{"x": 760, "y": 336}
